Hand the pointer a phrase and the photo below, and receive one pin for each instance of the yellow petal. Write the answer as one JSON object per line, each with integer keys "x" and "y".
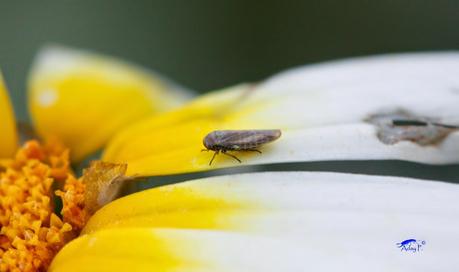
{"x": 176, "y": 250}
{"x": 270, "y": 222}
{"x": 83, "y": 98}
{"x": 137, "y": 249}
{"x": 177, "y": 142}
{"x": 277, "y": 202}
{"x": 192, "y": 205}
{"x": 8, "y": 135}
{"x": 322, "y": 110}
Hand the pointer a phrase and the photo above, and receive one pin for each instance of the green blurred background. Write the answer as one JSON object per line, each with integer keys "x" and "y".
{"x": 206, "y": 44}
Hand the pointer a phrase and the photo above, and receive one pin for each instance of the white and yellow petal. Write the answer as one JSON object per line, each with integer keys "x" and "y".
{"x": 322, "y": 110}
{"x": 83, "y": 98}
{"x": 8, "y": 130}
{"x": 177, "y": 250}
{"x": 273, "y": 222}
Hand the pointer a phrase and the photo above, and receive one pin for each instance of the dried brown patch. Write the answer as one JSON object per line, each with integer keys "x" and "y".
{"x": 397, "y": 126}
{"x": 103, "y": 183}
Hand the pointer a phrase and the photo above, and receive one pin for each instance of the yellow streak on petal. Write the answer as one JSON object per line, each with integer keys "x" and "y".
{"x": 179, "y": 206}
{"x": 83, "y": 98}
{"x": 8, "y": 132}
{"x": 145, "y": 249}
{"x": 172, "y": 143}
{"x": 116, "y": 250}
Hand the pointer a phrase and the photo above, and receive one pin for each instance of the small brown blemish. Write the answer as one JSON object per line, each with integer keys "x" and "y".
{"x": 397, "y": 126}
{"x": 103, "y": 183}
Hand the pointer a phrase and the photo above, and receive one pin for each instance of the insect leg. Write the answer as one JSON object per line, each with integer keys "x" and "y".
{"x": 213, "y": 157}
{"x": 232, "y": 156}
{"x": 254, "y": 150}
{"x": 202, "y": 150}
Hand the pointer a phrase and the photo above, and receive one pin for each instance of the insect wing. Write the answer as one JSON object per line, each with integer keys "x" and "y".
{"x": 247, "y": 139}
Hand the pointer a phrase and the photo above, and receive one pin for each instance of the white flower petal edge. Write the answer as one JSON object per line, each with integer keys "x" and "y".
{"x": 282, "y": 221}
{"x": 322, "y": 110}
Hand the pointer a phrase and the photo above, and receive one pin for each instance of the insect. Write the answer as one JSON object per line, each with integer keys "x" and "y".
{"x": 238, "y": 140}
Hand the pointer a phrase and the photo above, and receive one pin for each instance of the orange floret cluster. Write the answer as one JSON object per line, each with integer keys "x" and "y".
{"x": 73, "y": 200}
{"x": 31, "y": 233}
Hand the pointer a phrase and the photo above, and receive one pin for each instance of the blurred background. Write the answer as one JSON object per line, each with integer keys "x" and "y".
{"x": 206, "y": 45}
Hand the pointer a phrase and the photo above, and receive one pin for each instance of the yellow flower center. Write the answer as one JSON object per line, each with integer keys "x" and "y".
{"x": 31, "y": 233}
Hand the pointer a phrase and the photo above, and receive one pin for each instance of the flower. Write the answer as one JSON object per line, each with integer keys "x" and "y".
{"x": 31, "y": 234}
{"x": 390, "y": 107}
{"x": 70, "y": 92}
{"x": 271, "y": 222}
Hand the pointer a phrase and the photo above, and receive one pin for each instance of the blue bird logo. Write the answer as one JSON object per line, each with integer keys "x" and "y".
{"x": 411, "y": 245}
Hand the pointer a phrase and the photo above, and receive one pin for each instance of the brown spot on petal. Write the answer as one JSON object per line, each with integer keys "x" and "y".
{"x": 103, "y": 182}
{"x": 397, "y": 126}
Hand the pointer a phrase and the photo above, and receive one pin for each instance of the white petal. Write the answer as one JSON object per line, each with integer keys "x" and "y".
{"x": 291, "y": 221}
{"x": 322, "y": 110}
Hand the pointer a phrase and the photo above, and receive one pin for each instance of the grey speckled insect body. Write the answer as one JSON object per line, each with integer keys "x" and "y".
{"x": 238, "y": 140}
